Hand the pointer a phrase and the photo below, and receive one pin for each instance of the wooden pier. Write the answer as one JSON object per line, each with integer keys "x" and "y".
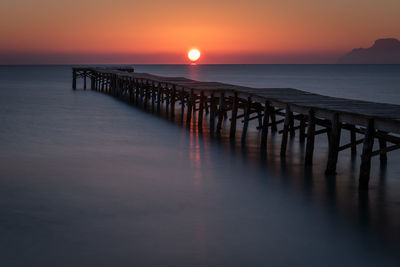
{"x": 297, "y": 111}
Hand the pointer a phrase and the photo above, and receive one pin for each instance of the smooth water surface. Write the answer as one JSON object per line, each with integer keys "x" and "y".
{"x": 87, "y": 180}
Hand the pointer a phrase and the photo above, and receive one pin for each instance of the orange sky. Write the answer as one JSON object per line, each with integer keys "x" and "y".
{"x": 158, "y": 31}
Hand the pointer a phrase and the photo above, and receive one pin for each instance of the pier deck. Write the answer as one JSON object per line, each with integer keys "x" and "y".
{"x": 299, "y": 111}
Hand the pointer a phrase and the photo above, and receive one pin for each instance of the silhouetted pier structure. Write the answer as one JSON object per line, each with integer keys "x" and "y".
{"x": 294, "y": 109}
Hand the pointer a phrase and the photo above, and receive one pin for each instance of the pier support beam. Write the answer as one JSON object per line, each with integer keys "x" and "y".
{"x": 74, "y": 79}
{"x": 264, "y": 133}
{"x": 201, "y": 111}
{"x": 302, "y": 128}
{"x": 84, "y": 80}
{"x": 182, "y": 105}
{"x": 334, "y": 143}
{"x": 365, "y": 167}
{"x": 221, "y": 110}
{"x": 190, "y": 109}
{"x": 353, "y": 140}
{"x": 291, "y": 127}
{"x": 287, "y": 123}
{"x": 247, "y": 112}
{"x": 382, "y": 147}
{"x": 153, "y": 97}
{"x": 274, "y": 128}
{"x": 232, "y": 132}
{"x": 310, "y": 138}
{"x": 173, "y": 98}
{"x": 212, "y": 114}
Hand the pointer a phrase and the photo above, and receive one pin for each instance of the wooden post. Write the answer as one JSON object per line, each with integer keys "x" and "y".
{"x": 286, "y": 126}
{"x": 212, "y": 114}
{"x": 173, "y": 95}
{"x": 91, "y": 81}
{"x": 190, "y": 109}
{"x": 382, "y": 146}
{"x": 107, "y": 86}
{"x": 73, "y": 79}
{"x": 153, "y": 97}
{"x": 334, "y": 143}
{"x": 136, "y": 92}
{"x": 274, "y": 128}
{"x": 201, "y": 111}
{"x": 98, "y": 88}
{"x": 221, "y": 110}
{"x": 264, "y": 133}
{"x": 260, "y": 119}
{"x": 365, "y": 167}
{"x": 131, "y": 91}
{"x": 310, "y": 138}
{"x": 146, "y": 95}
{"x": 247, "y": 111}
{"x": 159, "y": 93}
{"x": 232, "y": 132}
{"x": 84, "y": 80}
{"x": 166, "y": 95}
{"x": 141, "y": 93}
{"x": 182, "y": 104}
{"x": 353, "y": 140}
{"x": 302, "y": 128}
{"x": 291, "y": 126}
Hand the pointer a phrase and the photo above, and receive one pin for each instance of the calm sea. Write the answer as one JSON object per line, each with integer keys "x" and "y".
{"x": 87, "y": 180}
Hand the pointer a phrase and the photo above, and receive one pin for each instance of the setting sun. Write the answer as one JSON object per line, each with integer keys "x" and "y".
{"x": 194, "y": 55}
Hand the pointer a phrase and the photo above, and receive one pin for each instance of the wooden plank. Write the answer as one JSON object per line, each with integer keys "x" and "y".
{"x": 384, "y": 150}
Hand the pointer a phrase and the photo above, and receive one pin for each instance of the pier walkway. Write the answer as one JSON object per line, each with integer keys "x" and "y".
{"x": 279, "y": 110}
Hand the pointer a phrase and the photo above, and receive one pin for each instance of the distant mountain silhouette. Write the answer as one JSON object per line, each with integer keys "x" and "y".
{"x": 384, "y": 51}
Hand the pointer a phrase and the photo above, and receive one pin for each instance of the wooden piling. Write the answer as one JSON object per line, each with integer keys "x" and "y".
{"x": 291, "y": 126}
{"x": 274, "y": 127}
{"x": 302, "y": 128}
{"x": 74, "y": 79}
{"x": 153, "y": 97}
{"x": 286, "y": 126}
{"x": 382, "y": 147}
{"x": 173, "y": 99}
{"x": 232, "y": 132}
{"x": 353, "y": 140}
{"x": 334, "y": 143}
{"x": 84, "y": 80}
{"x": 221, "y": 110}
{"x": 310, "y": 138}
{"x": 247, "y": 111}
{"x": 264, "y": 133}
{"x": 190, "y": 109}
{"x": 212, "y": 114}
{"x": 365, "y": 167}
{"x": 182, "y": 104}
{"x": 201, "y": 111}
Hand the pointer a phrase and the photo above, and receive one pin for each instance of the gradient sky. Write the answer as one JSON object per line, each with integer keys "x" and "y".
{"x": 158, "y": 31}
